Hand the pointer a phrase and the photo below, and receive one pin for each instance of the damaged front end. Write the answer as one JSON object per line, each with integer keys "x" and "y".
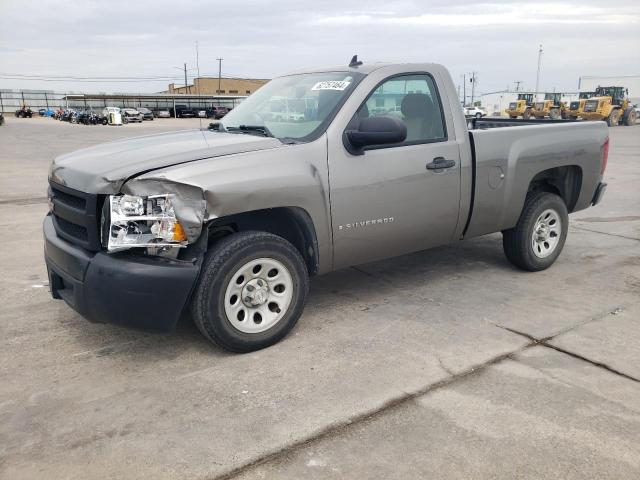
{"x": 158, "y": 216}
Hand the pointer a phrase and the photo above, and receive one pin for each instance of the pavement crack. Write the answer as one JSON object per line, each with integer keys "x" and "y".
{"x": 367, "y": 416}
{"x": 24, "y": 201}
{"x": 544, "y": 342}
{"x": 592, "y": 362}
{"x": 605, "y": 233}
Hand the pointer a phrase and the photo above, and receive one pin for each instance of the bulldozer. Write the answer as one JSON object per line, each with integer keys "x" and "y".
{"x": 552, "y": 106}
{"x": 612, "y": 105}
{"x": 576, "y": 107}
{"x": 522, "y": 107}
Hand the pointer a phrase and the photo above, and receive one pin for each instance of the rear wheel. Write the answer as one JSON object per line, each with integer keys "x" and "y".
{"x": 251, "y": 291}
{"x": 614, "y": 118}
{"x": 630, "y": 116}
{"x": 527, "y": 114}
{"x": 538, "y": 238}
{"x": 554, "y": 114}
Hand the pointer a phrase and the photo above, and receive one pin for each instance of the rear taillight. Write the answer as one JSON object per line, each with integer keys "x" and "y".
{"x": 605, "y": 156}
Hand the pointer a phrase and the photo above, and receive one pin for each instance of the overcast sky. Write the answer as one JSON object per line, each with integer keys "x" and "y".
{"x": 133, "y": 38}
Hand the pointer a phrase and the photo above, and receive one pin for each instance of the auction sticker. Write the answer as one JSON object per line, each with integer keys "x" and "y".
{"x": 331, "y": 85}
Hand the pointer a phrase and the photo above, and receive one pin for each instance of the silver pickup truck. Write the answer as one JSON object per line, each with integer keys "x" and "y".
{"x": 362, "y": 162}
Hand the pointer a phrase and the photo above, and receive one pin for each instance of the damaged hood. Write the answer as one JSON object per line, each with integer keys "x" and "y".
{"x": 104, "y": 168}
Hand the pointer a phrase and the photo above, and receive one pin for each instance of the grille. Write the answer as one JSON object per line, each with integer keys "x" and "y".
{"x": 591, "y": 106}
{"x": 76, "y": 216}
{"x": 513, "y": 106}
{"x": 539, "y": 106}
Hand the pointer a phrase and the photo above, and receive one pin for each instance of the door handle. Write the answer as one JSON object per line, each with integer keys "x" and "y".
{"x": 439, "y": 163}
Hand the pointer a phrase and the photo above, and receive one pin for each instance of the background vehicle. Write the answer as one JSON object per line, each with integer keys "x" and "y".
{"x": 161, "y": 113}
{"x": 182, "y": 111}
{"x": 111, "y": 116}
{"x": 552, "y": 106}
{"x": 229, "y": 223}
{"x": 24, "y": 112}
{"x": 522, "y": 107}
{"x": 146, "y": 113}
{"x": 477, "y": 112}
{"x": 611, "y": 105}
{"x": 217, "y": 112}
{"x": 576, "y": 107}
{"x": 131, "y": 115}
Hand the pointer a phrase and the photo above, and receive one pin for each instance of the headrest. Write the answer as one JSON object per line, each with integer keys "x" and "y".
{"x": 416, "y": 105}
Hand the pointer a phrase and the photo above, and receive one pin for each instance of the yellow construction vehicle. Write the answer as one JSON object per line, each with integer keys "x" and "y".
{"x": 522, "y": 107}
{"x": 576, "y": 107}
{"x": 612, "y": 105}
{"x": 552, "y": 106}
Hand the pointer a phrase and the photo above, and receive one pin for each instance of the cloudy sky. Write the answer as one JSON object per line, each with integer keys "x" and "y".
{"x": 134, "y": 45}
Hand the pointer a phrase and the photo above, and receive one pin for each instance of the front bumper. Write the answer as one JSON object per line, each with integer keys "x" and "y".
{"x": 125, "y": 289}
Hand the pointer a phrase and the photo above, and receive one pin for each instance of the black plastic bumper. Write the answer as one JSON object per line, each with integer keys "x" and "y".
{"x": 142, "y": 292}
{"x": 599, "y": 193}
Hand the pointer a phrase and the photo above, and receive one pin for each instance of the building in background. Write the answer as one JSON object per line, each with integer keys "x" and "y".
{"x": 219, "y": 86}
{"x": 588, "y": 83}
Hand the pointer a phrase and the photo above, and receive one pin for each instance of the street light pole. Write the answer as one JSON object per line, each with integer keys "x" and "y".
{"x": 219, "y": 74}
{"x": 538, "y": 73}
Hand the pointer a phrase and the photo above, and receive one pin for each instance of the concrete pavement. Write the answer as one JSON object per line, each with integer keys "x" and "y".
{"x": 438, "y": 363}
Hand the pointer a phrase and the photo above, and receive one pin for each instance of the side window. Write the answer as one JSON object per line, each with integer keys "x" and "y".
{"x": 413, "y": 99}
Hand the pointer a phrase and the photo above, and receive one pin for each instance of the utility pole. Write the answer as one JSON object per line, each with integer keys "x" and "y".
{"x": 473, "y": 86}
{"x": 538, "y": 73}
{"x": 464, "y": 89}
{"x": 518, "y": 82}
{"x": 185, "y": 77}
{"x": 219, "y": 74}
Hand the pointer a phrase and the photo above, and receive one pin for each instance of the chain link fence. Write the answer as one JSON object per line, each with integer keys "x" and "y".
{"x": 12, "y": 100}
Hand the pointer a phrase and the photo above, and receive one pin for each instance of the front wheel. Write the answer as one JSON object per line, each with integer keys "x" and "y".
{"x": 527, "y": 114}
{"x": 538, "y": 238}
{"x": 614, "y": 118}
{"x": 251, "y": 291}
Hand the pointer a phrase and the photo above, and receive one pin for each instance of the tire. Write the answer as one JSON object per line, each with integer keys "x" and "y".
{"x": 629, "y": 117}
{"x": 614, "y": 118}
{"x": 223, "y": 277}
{"x": 554, "y": 114}
{"x": 533, "y": 252}
{"x": 125, "y": 120}
{"x": 478, "y": 115}
{"x": 513, "y": 116}
{"x": 527, "y": 114}
{"x": 573, "y": 117}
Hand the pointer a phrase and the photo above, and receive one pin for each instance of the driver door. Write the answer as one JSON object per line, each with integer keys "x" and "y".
{"x": 387, "y": 202}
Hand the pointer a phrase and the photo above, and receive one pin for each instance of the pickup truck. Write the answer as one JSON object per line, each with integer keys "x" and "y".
{"x": 228, "y": 223}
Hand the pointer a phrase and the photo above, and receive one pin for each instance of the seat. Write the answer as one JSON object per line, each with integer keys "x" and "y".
{"x": 421, "y": 117}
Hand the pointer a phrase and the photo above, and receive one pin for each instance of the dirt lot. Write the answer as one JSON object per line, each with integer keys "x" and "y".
{"x": 442, "y": 364}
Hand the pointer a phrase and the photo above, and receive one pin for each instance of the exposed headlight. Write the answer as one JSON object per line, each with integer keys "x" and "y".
{"x": 142, "y": 222}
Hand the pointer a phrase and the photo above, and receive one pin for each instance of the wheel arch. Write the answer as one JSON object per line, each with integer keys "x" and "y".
{"x": 291, "y": 223}
{"x": 565, "y": 181}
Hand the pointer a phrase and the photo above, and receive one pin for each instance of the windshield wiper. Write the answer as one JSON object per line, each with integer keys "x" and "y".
{"x": 252, "y": 128}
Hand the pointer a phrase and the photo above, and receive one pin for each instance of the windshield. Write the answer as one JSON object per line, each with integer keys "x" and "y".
{"x": 297, "y": 107}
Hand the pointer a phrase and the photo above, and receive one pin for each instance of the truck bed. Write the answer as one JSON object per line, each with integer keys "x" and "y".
{"x": 507, "y": 160}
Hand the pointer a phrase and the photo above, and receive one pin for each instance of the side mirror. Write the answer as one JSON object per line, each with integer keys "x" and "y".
{"x": 381, "y": 130}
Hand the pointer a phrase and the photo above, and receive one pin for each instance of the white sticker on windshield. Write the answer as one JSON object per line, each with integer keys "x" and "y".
{"x": 331, "y": 85}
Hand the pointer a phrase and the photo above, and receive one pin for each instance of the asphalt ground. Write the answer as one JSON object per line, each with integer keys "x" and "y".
{"x": 447, "y": 363}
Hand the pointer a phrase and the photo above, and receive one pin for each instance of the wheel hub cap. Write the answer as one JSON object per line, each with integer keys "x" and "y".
{"x": 546, "y": 233}
{"x": 255, "y": 292}
{"x": 258, "y": 295}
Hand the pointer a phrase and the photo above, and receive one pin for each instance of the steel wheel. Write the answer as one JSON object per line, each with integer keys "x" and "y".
{"x": 258, "y": 295}
{"x": 546, "y": 233}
